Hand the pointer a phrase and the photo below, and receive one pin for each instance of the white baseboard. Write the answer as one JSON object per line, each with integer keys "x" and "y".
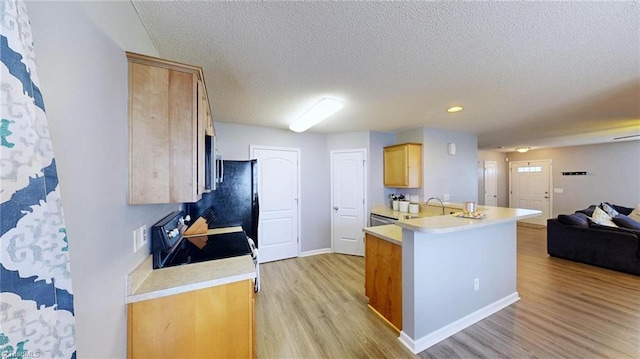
{"x": 433, "y": 338}
{"x": 315, "y": 252}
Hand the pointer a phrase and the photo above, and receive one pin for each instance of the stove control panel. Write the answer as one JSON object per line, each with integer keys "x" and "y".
{"x": 167, "y": 232}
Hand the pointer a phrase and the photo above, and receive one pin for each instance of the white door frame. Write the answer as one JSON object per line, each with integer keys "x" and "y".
{"x": 291, "y": 149}
{"x": 550, "y": 179}
{"x": 365, "y": 189}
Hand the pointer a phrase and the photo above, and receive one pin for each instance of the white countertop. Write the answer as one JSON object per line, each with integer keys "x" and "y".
{"x": 451, "y": 223}
{"x": 146, "y": 283}
{"x": 389, "y": 232}
{"x": 433, "y": 209}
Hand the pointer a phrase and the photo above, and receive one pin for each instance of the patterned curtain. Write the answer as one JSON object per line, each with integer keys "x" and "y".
{"x": 36, "y": 300}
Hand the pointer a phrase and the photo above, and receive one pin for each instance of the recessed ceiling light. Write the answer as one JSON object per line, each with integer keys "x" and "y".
{"x": 522, "y": 149}
{"x": 454, "y": 109}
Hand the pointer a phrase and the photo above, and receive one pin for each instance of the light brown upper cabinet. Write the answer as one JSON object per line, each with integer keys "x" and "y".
{"x": 168, "y": 116}
{"x": 403, "y": 165}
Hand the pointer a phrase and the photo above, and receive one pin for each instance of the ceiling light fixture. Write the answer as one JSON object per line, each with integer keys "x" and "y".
{"x": 320, "y": 111}
{"x": 522, "y": 149}
{"x": 454, "y": 109}
{"x": 624, "y": 137}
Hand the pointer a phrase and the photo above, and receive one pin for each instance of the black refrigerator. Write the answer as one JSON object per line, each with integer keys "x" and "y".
{"x": 235, "y": 200}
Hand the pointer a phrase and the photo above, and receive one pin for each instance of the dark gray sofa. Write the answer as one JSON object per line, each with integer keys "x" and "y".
{"x": 568, "y": 237}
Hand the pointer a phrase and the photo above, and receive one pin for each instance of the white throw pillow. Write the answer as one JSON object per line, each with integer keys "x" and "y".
{"x": 635, "y": 214}
{"x": 610, "y": 211}
{"x": 601, "y": 217}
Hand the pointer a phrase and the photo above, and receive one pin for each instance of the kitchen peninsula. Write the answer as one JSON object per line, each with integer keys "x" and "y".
{"x": 455, "y": 271}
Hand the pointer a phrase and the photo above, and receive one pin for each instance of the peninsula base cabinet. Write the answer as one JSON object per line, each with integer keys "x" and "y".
{"x": 383, "y": 279}
{"x": 215, "y": 322}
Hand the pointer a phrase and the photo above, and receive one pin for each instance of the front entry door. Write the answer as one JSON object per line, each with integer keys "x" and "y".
{"x": 278, "y": 193}
{"x": 530, "y": 183}
{"x": 347, "y": 200}
{"x": 490, "y": 183}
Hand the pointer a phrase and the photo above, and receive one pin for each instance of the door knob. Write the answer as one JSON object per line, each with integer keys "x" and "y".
{"x": 546, "y": 196}
{"x": 495, "y": 196}
{"x": 335, "y": 208}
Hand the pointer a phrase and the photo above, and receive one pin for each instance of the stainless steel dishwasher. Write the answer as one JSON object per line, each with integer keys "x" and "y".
{"x": 378, "y": 220}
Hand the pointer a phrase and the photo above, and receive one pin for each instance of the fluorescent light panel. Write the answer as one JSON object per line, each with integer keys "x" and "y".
{"x": 320, "y": 111}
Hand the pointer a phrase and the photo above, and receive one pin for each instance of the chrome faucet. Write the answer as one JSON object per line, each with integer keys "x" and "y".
{"x": 438, "y": 199}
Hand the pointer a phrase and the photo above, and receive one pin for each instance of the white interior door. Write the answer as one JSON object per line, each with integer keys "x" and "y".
{"x": 530, "y": 183}
{"x": 348, "y": 204}
{"x": 278, "y": 193}
{"x": 490, "y": 183}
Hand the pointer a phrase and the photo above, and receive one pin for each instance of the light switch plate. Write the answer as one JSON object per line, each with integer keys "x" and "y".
{"x": 143, "y": 236}
{"x": 139, "y": 238}
{"x": 136, "y": 240}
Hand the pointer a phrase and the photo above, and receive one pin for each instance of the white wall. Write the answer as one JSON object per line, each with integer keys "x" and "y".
{"x": 446, "y": 174}
{"x": 502, "y": 174}
{"x": 613, "y": 174}
{"x": 82, "y": 68}
{"x": 348, "y": 140}
{"x": 233, "y": 144}
{"x": 443, "y": 173}
{"x": 378, "y": 194}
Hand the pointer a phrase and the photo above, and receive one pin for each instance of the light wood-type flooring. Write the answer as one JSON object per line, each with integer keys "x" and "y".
{"x": 314, "y": 307}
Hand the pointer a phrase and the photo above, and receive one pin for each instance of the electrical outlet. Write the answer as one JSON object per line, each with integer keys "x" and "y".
{"x": 476, "y": 284}
{"x": 143, "y": 236}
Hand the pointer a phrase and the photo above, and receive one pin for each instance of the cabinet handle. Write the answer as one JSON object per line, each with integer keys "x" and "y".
{"x": 335, "y": 208}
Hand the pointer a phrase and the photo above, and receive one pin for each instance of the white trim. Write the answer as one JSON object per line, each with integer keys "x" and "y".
{"x": 299, "y": 174}
{"x": 365, "y": 170}
{"x": 433, "y": 338}
{"x": 315, "y": 252}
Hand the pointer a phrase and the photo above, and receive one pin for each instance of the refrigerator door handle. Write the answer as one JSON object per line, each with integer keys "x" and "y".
{"x": 221, "y": 170}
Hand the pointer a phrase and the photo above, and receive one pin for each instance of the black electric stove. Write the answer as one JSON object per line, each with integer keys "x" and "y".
{"x": 170, "y": 248}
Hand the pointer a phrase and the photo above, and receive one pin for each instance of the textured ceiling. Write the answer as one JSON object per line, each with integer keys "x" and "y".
{"x": 533, "y": 74}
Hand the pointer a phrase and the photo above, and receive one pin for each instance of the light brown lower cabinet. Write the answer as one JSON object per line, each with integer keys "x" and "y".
{"x": 383, "y": 278}
{"x": 215, "y": 322}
